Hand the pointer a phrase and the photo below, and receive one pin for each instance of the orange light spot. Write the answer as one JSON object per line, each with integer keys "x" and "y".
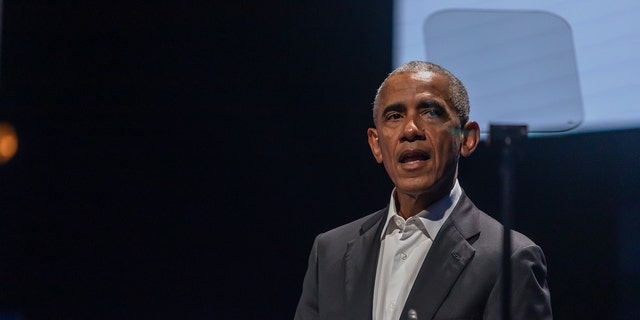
{"x": 8, "y": 142}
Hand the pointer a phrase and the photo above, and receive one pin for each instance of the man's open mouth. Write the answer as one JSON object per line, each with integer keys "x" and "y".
{"x": 414, "y": 155}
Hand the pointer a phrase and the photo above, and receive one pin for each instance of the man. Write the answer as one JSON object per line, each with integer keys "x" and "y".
{"x": 430, "y": 254}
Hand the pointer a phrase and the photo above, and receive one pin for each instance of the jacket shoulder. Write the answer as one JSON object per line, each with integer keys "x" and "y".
{"x": 354, "y": 228}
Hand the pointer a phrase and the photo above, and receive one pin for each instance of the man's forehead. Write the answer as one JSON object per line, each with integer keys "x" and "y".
{"x": 423, "y": 75}
{"x": 421, "y": 80}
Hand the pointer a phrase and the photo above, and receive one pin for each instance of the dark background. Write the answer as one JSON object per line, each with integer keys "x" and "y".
{"x": 177, "y": 159}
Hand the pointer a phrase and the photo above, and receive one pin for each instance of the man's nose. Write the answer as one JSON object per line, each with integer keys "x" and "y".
{"x": 413, "y": 130}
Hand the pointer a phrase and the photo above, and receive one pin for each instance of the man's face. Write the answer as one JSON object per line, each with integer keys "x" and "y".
{"x": 417, "y": 135}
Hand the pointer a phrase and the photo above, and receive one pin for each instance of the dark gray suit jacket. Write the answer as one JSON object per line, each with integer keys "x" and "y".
{"x": 460, "y": 277}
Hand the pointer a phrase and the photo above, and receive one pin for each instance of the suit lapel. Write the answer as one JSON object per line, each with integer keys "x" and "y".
{"x": 361, "y": 260}
{"x": 449, "y": 254}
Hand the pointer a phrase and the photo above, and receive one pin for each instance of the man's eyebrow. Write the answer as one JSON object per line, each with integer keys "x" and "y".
{"x": 397, "y": 107}
{"x": 423, "y": 104}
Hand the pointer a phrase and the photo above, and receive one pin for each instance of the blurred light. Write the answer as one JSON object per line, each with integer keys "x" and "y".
{"x": 8, "y": 142}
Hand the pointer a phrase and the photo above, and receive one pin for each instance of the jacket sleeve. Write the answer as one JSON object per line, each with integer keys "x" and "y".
{"x": 308, "y": 304}
{"x": 530, "y": 297}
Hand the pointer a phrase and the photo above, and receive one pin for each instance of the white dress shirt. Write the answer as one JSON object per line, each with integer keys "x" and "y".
{"x": 404, "y": 245}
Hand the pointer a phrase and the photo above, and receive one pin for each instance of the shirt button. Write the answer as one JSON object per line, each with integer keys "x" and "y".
{"x": 403, "y": 256}
{"x": 393, "y": 305}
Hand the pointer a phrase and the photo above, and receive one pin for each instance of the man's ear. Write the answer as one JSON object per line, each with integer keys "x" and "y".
{"x": 470, "y": 138}
{"x": 374, "y": 143}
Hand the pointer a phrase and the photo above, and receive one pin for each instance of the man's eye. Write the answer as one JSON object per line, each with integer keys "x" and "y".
{"x": 393, "y": 116}
{"x": 433, "y": 112}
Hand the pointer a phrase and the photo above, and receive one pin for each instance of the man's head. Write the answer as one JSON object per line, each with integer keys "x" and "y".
{"x": 421, "y": 116}
{"x": 458, "y": 93}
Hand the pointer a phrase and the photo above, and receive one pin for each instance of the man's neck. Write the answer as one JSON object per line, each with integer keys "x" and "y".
{"x": 408, "y": 205}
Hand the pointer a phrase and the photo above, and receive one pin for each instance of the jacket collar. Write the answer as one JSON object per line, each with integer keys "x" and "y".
{"x": 447, "y": 258}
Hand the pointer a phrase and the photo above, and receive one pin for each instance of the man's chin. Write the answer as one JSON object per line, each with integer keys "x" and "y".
{"x": 416, "y": 188}
{"x": 425, "y": 187}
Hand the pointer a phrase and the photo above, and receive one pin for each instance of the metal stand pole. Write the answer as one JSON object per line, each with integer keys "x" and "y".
{"x": 507, "y": 138}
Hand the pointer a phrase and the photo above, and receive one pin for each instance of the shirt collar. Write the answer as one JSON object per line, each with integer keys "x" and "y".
{"x": 434, "y": 216}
